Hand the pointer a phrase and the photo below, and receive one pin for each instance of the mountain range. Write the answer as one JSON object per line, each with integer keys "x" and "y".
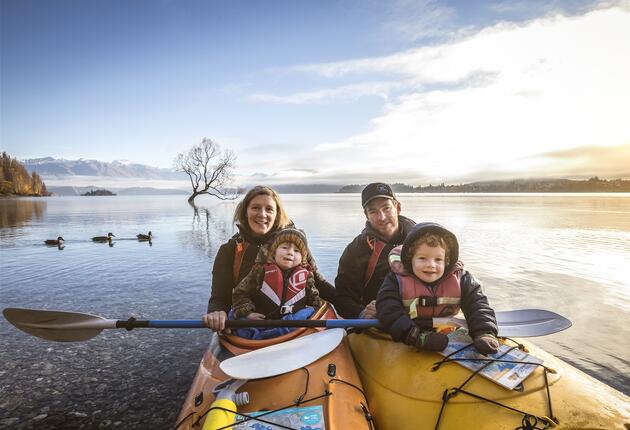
{"x": 49, "y": 167}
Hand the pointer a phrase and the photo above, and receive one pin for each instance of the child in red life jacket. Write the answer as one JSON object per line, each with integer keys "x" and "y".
{"x": 428, "y": 280}
{"x": 280, "y": 285}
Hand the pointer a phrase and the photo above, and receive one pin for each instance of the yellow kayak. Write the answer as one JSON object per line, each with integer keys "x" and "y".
{"x": 404, "y": 392}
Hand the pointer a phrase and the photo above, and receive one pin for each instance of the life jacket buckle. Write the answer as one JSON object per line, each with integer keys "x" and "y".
{"x": 427, "y": 302}
{"x": 286, "y": 309}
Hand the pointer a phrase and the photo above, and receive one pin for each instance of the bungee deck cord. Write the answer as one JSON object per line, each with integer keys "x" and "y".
{"x": 299, "y": 401}
{"x": 529, "y": 421}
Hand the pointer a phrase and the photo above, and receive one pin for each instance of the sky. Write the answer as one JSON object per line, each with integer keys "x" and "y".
{"x": 324, "y": 91}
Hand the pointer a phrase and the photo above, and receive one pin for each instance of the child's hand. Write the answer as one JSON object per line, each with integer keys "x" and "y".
{"x": 370, "y": 310}
{"x": 426, "y": 339}
{"x": 255, "y": 316}
{"x": 486, "y": 343}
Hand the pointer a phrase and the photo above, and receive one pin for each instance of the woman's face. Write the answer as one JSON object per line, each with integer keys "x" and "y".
{"x": 261, "y": 214}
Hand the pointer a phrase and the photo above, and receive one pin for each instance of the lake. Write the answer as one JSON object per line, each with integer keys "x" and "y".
{"x": 566, "y": 253}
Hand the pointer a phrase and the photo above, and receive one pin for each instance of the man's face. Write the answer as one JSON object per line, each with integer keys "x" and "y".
{"x": 382, "y": 214}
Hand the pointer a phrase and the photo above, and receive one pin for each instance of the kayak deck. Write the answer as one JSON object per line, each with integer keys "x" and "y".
{"x": 331, "y": 382}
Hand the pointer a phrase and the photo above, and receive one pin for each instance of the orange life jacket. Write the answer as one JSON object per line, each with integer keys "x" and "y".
{"x": 423, "y": 301}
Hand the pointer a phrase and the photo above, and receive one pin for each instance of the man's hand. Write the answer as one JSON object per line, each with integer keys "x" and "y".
{"x": 370, "y": 310}
{"x": 255, "y": 316}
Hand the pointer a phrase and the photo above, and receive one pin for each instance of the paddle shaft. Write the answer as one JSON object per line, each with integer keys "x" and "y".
{"x": 361, "y": 323}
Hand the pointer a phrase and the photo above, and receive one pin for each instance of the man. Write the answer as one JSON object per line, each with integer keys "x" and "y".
{"x": 363, "y": 264}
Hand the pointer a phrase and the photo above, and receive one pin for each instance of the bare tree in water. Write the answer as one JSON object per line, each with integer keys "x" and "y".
{"x": 209, "y": 169}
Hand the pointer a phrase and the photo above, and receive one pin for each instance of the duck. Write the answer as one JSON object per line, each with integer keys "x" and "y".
{"x": 107, "y": 238}
{"x": 57, "y": 241}
{"x": 144, "y": 236}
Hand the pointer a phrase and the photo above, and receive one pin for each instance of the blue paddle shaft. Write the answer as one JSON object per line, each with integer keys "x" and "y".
{"x": 362, "y": 323}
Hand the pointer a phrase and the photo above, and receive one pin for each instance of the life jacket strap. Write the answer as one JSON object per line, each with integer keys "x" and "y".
{"x": 431, "y": 301}
{"x": 239, "y": 253}
{"x": 377, "y": 247}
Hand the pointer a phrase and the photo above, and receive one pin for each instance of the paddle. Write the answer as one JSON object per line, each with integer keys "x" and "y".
{"x": 62, "y": 326}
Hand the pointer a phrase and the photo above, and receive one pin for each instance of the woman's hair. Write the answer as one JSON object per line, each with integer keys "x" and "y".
{"x": 240, "y": 214}
{"x": 433, "y": 240}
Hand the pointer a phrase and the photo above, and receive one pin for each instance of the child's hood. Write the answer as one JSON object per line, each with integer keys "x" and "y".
{"x": 427, "y": 227}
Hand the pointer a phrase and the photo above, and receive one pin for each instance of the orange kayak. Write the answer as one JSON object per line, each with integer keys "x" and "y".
{"x": 329, "y": 386}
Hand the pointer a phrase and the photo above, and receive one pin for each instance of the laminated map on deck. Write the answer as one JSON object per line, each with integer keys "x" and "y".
{"x": 508, "y": 375}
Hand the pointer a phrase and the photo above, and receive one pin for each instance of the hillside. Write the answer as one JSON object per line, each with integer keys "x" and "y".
{"x": 15, "y": 180}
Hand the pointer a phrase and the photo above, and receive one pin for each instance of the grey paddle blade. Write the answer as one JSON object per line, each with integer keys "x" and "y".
{"x": 58, "y": 326}
{"x": 530, "y": 323}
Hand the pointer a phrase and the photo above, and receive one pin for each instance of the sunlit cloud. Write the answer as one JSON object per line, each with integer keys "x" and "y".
{"x": 495, "y": 101}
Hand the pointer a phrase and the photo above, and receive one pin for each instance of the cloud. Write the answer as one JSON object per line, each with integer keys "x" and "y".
{"x": 343, "y": 93}
{"x": 496, "y": 101}
{"x": 415, "y": 20}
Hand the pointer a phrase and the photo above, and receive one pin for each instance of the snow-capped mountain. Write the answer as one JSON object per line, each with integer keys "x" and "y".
{"x": 59, "y": 168}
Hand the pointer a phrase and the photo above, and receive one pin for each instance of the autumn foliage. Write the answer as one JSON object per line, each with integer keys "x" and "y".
{"x": 15, "y": 179}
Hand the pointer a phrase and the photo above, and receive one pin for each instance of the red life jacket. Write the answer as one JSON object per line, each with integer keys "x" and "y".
{"x": 422, "y": 301}
{"x": 289, "y": 299}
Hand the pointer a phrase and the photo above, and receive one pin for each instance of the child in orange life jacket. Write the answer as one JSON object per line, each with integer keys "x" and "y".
{"x": 280, "y": 285}
{"x": 428, "y": 280}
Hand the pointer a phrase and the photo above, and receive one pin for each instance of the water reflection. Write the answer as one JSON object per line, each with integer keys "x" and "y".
{"x": 208, "y": 227}
{"x": 16, "y": 212}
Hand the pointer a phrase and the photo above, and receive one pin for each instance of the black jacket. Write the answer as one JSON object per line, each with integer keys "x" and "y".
{"x": 223, "y": 271}
{"x": 352, "y": 296}
{"x": 396, "y": 321}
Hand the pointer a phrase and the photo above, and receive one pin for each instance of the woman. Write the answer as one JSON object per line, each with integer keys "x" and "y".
{"x": 258, "y": 217}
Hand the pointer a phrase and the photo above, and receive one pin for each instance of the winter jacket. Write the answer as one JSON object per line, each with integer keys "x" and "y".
{"x": 223, "y": 281}
{"x": 395, "y": 319}
{"x": 352, "y": 293}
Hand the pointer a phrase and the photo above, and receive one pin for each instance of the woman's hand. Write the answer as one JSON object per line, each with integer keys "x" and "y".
{"x": 255, "y": 316}
{"x": 215, "y": 321}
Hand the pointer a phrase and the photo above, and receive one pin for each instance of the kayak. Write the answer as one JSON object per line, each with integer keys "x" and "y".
{"x": 405, "y": 392}
{"x": 326, "y": 393}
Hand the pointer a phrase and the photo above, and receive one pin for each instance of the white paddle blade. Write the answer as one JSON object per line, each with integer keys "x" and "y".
{"x": 283, "y": 357}
{"x": 530, "y": 323}
{"x": 519, "y": 323}
{"x": 58, "y": 326}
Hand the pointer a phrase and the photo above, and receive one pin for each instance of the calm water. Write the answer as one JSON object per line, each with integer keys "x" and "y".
{"x": 567, "y": 253}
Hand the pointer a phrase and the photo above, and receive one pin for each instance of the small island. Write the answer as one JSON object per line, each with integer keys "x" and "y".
{"x": 101, "y": 192}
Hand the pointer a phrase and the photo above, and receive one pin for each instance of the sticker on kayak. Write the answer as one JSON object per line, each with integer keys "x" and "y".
{"x": 305, "y": 418}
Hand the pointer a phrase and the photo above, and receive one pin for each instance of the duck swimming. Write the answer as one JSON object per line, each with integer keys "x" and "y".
{"x": 57, "y": 241}
{"x": 107, "y": 238}
{"x": 144, "y": 236}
